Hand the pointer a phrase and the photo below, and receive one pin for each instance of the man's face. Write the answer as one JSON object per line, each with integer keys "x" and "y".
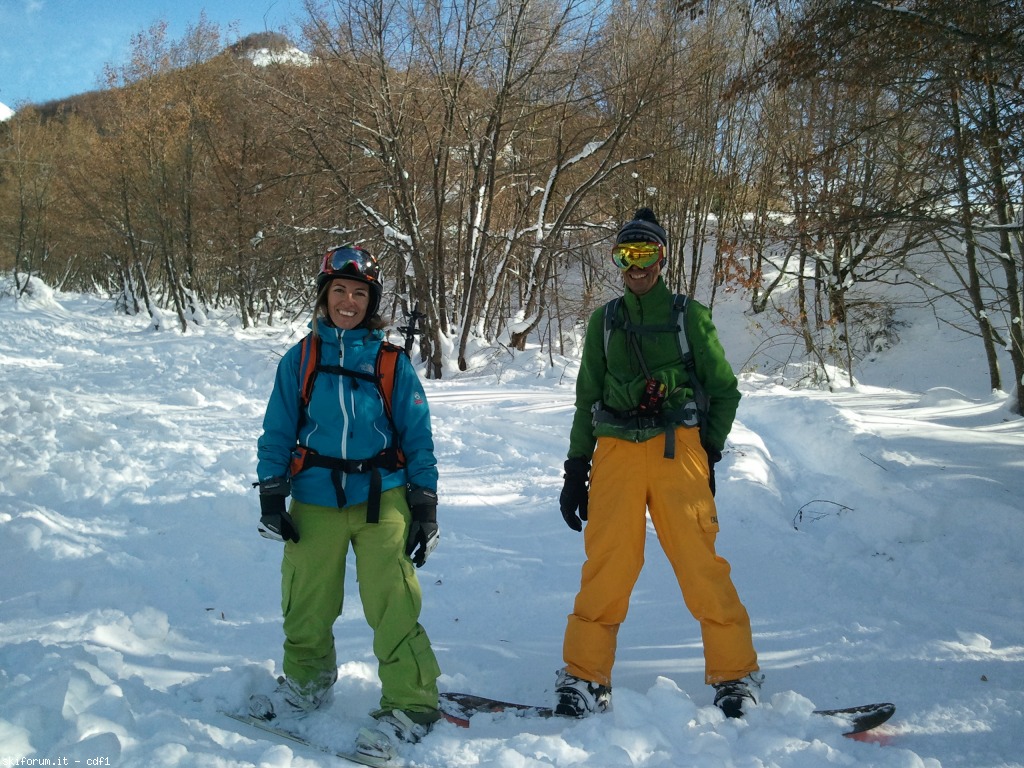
{"x": 640, "y": 281}
{"x": 640, "y": 263}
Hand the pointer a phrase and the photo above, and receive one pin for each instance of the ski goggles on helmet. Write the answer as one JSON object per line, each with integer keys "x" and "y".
{"x": 350, "y": 261}
{"x": 641, "y": 255}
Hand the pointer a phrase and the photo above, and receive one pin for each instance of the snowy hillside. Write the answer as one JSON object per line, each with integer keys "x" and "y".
{"x": 5, "y": 112}
{"x": 264, "y": 57}
{"x": 875, "y": 535}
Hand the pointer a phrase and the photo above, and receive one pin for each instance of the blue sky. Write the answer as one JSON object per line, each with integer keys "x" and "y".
{"x": 50, "y": 49}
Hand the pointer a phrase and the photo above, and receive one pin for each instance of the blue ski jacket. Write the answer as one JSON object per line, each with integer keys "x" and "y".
{"x": 345, "y": 419}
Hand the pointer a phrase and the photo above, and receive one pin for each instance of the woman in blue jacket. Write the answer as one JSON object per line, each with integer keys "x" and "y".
{"x": 338, "y": 458}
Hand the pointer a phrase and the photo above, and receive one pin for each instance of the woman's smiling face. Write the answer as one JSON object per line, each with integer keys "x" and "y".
{"x": 347, "y": 302}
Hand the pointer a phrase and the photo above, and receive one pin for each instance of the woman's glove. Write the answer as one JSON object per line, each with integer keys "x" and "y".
{"x": 574, "y": 494}
{"x": 275, "y": 522}
{"x": 423, "y": 531}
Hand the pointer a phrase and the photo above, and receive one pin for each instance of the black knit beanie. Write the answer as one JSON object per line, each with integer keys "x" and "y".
{"x": 644, "y": 228}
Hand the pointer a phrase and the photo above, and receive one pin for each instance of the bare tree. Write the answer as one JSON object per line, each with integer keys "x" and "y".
{"x": 29, "y": 197}
{"x": 893, "y": 69}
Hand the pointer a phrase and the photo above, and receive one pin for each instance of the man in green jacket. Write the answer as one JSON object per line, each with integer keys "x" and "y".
{"x": 635, "y": 432}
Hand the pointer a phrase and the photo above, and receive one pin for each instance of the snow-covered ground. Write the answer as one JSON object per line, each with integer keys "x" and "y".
{"x": 875, "y": 535}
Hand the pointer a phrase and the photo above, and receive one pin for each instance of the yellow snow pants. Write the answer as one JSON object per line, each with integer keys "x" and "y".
{"x": 627, "y": 480}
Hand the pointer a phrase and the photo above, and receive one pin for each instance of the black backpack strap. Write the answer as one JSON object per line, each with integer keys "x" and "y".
{"x": 388, "y": 459}
{"x": 680, "y": 305}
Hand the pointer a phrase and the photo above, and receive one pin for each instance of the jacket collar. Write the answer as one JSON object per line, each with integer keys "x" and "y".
{"x": 654, "y": 300}
{"x": 338, "y": 337}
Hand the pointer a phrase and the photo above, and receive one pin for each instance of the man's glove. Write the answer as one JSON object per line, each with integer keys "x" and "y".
{"x": 714, "y": 456}
{"x": 423, "y": 531}
{"x": 574, "y": 493}
{"x": 275, "y": 522}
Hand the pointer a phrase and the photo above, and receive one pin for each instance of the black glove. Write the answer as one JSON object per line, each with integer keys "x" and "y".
{"x": 423, "y": 531}
{"x": 275, "y": 522}
{"x": 714, "y": 456}
{"x": 574, "y": 492}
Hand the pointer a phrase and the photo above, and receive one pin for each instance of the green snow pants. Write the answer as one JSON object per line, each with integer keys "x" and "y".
{"x": 313, "y": 591}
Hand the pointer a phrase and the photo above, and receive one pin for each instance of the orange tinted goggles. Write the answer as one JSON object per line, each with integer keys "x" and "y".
{"x": 642, "y": 255}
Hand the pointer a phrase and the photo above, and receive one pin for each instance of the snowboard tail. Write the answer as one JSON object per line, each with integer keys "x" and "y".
{"x": 458, "y": 708}
{"x": 861, "y": 718}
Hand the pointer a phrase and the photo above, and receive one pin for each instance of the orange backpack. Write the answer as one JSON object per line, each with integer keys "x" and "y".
{"x": 383, "y": 378}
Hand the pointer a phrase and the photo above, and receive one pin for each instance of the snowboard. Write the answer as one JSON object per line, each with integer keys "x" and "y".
{"x": 458, "y": 708}
{"x": 287, "y": 735}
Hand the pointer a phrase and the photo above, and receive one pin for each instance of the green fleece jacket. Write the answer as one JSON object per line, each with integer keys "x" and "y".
{"x": 619, "y": 381}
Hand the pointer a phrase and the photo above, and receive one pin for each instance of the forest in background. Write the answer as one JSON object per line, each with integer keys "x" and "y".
{"x": 808, "y": 153}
